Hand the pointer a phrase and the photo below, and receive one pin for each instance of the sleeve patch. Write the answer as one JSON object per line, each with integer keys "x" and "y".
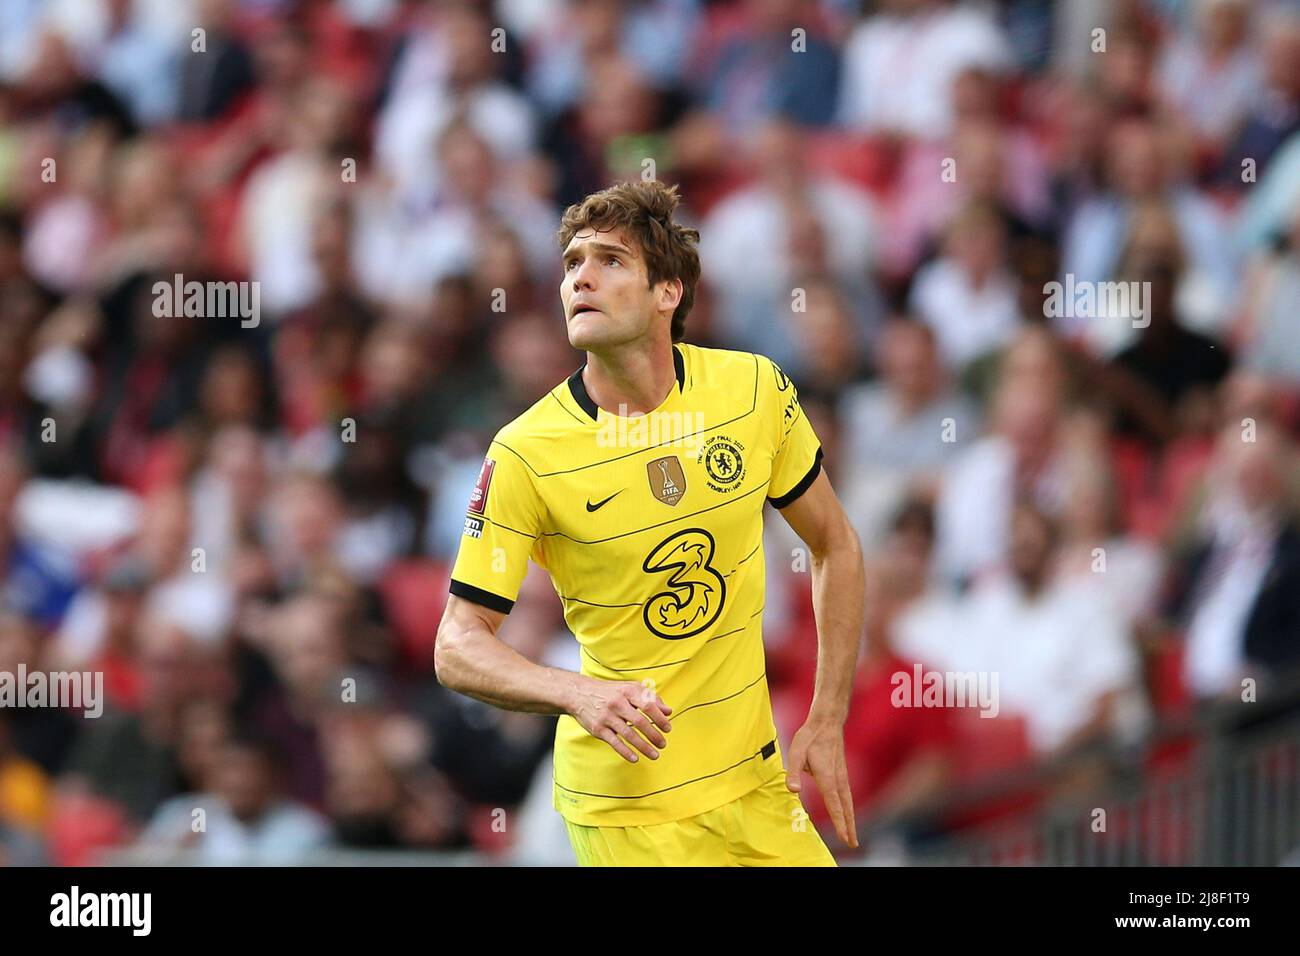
{"x": 478, "y": 497}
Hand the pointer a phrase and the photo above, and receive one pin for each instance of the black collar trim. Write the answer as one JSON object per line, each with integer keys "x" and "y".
{"x": 579, "y": 391}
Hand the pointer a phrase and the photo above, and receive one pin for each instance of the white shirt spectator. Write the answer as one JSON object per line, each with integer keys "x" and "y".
{"x": 283, "y": 836}
{"x": 929, "y": 631}
{"x": 279, "y": 207}
{"x": 968, "y": 322}
{"x": 1227, "y": 586}
{"x": 1214, "y": 99}
{"x": 973, "y": 510}
{"x": 401, "y": 252}
{"x": 737, "y": 236}
{"x": 743, "y": 242}
{"x": 1128, "y": 581}
{"x": 899, "y": 71}
{"x": 1055, "y": 655}
{"x": 407, "y": 131}
{"x": 203, "y": 606}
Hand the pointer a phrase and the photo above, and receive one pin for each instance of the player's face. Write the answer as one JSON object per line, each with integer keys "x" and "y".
{"x": 606, "y": 296}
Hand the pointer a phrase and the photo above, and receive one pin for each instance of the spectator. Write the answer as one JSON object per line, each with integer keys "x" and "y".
{"x": 25, "y": 789}
{"x": 898, "y": 443}
{"x": 753, "y": 276}
{"x": 900, "y": 65}
{"x": 1210, "y": 77}
{"x": 968, "y": 296}
{"x": 212, "y": 84}
{"x": 246, "y": 819}
{"x": 1144, "y": 167}
{"x": 1019, "y": 458}
{"x": 1274, "y": 114}
{"x": 1263, "y": 335}
{"x": 1063, "y": 660}
{"x": 130, "y": 759}
{"x": 446, "y": 70}
{"x": 652, "y": 35}
{"x": 1237, "y": 583}
{"x": 1122, "y": 569}
{"x": 775, "y": 65}
{"x": 1162, "y": 381}
{"x": 137, "y": 59}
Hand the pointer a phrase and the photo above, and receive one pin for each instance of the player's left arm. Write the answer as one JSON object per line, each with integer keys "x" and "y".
{"x": 839, "y": 594}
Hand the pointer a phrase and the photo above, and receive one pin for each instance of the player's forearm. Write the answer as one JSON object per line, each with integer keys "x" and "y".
{"x": 839, "y": 591}
{"x": 477, "y": 664}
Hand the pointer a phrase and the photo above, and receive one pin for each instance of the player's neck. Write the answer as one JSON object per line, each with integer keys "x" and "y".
{"x": 630, "y": 380}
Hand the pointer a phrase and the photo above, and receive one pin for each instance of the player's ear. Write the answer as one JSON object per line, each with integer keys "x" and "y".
{"x": 671, "y": 294}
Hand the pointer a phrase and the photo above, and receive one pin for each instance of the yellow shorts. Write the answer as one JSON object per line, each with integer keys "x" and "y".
{"x": 765, "y": 827}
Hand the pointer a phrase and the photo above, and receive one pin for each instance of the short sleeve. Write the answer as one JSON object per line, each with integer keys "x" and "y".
{"x": 502, "y": 524}
{"x": 798, "y": 457}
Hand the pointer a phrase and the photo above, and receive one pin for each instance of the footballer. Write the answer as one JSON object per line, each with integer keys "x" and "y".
{"x": 665, "y": 750}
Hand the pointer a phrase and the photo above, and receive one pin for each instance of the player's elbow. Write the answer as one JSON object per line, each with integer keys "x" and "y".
{"x": 837, "y": 541}
{"x": 449, "y": 651}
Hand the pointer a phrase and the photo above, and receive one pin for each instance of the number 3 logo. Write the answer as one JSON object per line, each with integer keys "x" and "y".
{"x": 696, "y": 591}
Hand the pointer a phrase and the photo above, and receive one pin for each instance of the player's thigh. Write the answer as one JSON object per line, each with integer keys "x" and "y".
{"x": 695, "y": 841}
{"x": 771, "y": 828}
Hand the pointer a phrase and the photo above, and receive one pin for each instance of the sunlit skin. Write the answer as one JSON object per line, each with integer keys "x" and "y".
{"x": 623, "y": 323}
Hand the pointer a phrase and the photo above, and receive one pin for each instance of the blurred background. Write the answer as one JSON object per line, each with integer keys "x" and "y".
{"x": 1101, "y": 512}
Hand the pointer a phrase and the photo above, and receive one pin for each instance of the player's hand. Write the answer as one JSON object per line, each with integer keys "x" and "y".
{"x": 818, "y": 748}
{"x": 623, "y": 713}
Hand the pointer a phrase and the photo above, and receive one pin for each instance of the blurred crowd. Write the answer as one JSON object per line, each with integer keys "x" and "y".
{"x": 247, "y": 527}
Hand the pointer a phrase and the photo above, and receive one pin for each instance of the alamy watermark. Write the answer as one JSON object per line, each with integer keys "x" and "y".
{"x": 210, "y": 300}
{"x": 133, "y": 911}
{"x": 1098, "y": 300}
{"x": 77, "y": 690}
{"x": 922, "y": 688}
{"x": 675, "y": 429}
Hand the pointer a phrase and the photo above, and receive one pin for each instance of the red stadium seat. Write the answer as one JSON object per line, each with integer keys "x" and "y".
{"x": 1134, "y": 468}
{"x": 487, "y": 830}
{"x": 1171, "y": 700}
{"x": 866, "y": 161}
{"x": 81, "y": 826}
{"x": 1168, "y": 691}
{"x": 414, "y": 593}
{"x": 1184, "y": 464}
{"x": 986, "y": 748}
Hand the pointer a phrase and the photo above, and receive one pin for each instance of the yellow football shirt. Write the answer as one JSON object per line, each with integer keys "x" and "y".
{"x": 651, "y": 529}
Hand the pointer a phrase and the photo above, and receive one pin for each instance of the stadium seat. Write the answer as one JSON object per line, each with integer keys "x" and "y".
{"x": 81, "y": 826}
{"x": 987, "y": 748}
{"x": 414, "y": 593}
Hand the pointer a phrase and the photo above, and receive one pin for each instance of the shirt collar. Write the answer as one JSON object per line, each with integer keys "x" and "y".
{"x": 579, "y": 390}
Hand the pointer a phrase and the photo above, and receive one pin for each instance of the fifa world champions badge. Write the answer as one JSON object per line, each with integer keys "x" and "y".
{"x": 667, "y": 479}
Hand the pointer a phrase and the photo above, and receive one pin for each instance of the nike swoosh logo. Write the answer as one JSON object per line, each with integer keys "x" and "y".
{"x": 601, "y": 504}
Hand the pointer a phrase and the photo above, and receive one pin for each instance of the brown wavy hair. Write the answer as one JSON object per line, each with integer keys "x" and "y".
{"x": 644, "y": 211}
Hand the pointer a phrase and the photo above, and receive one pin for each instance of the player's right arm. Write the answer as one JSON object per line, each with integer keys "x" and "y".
{"x": 504, "y": 520}
{"x": 469, "y": 658}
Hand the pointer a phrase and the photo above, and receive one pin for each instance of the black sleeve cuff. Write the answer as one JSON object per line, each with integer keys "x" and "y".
{"x": 791, "y": 496}
{"x": 487, "y": 599}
